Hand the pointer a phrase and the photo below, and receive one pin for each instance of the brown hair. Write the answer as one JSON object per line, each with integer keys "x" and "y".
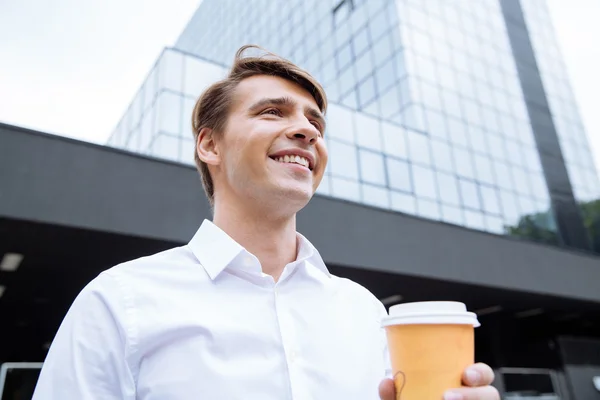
{"x": 213, "y": 105}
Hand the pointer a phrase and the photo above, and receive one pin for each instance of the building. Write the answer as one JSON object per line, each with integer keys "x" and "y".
{"x": 452, "y": 132}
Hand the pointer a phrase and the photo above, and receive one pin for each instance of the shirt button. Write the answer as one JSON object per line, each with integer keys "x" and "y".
{"x": 293, "y": 356}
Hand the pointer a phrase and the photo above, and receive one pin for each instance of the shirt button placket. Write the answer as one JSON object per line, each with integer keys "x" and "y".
{"x": 287, "y": 339}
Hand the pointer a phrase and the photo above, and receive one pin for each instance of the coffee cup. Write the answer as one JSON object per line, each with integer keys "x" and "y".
{"x": 430, "y": 345}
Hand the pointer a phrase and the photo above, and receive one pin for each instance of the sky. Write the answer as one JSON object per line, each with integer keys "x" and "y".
{"x": 71, "y": 67}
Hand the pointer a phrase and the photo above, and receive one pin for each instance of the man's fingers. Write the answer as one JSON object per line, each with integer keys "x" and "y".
{"x": 479, "y": 393}
{"x": 387, "y": 391}
{"x": 478, "y": 375}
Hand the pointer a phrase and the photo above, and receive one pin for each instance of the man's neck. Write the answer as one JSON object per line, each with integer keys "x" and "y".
{"x": 272, "y": 240}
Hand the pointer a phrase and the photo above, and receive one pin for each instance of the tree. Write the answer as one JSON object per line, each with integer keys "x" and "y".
{"x": 539, "y": 227}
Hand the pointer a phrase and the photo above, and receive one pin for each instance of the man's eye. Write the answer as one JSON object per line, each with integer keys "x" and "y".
{"x": 317, "y": 125}
{"x": 272, "y": 111}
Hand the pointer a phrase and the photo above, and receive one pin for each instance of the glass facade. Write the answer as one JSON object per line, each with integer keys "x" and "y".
{"x": 426, "y": 115}
{"x": 565, "y": 116}
{"x": 158, "y": 121}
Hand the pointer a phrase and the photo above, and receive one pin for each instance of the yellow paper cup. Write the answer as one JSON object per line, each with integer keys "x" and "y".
{"x": 430, "y": 344}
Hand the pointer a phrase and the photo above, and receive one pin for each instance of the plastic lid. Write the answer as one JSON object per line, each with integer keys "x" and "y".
{"x": 430, "y": 312}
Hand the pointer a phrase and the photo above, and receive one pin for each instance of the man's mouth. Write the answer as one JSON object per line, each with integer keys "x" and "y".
{"x": 291, "y": 159}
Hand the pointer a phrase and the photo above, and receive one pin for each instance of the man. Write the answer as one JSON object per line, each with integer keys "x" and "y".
{"x": 247, "y": 309}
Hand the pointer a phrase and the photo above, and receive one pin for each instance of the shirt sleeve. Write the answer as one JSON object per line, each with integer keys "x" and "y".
{"x": 88, "y": 356}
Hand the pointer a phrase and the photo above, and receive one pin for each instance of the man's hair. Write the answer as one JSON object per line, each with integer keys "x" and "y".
{"x": 213, "y": 106}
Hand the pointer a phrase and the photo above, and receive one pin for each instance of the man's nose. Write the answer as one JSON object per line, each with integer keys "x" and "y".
{"x": 308, "y": 134}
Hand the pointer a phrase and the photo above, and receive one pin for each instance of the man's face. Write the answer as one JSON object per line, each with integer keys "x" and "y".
{"x": 272, "y": 149}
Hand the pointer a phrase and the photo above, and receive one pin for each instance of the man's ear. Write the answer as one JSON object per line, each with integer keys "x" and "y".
{"x": 207, "y": 148}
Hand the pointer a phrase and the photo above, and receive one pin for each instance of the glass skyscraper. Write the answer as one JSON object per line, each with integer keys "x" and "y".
{"x": 453, "y": 110}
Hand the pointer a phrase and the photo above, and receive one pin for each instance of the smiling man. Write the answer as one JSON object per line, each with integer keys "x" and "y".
{"x": 247, "y": 309}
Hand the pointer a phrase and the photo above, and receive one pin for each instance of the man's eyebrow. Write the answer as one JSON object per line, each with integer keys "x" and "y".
{"x": 289, "y": 102}
{"x": 277, "y": 101}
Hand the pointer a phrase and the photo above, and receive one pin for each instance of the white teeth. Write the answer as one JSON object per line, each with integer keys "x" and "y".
{"x": 293, "y": 159}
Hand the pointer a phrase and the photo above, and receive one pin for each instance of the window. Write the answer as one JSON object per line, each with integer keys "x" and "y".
{"x": 403, "y": 202}
{"x": 375, "y": 196}
{"x": 424, "y": 182}
{"x": 341, "y": 12}
{"x": 399, "y": 175}
{"x": 345, "y": 189}
{"x": 372, "y": 169}
{"x": 343, "y": 160}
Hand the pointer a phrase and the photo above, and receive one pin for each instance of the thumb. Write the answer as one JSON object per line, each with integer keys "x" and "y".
{"x": 387, "y": 390}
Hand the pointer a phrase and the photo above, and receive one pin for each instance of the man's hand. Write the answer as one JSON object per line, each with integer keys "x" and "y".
{"x": 476, "y": 378}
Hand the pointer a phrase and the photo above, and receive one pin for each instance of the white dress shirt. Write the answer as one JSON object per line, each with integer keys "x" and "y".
{"x": 202, "y": 321}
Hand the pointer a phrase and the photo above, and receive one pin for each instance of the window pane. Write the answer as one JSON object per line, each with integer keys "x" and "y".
{"x": 469, "y": 194}
{"x": 169, "y": 113}
{"x": 442, "y": 156}
{"x": 403, "y": 202}
{"x": 510, "y": 208}
{"x": 367, "y": 130}
{"x": 165, "y": 146}
{"x": 490, "y": 200}
{"x": 399, "y": 175}
{"x": 428, "y": 209}
{"x": 419, "y": 148}
{"x": 483, "y": 166}
{"x": 186, "y": 118}
{"x": 448, "y": 188}
{"x": 494, "y": 224}
{"x": 371, "y": 167}
{"x": 199, "y": 75}
{"x": 462, "y": 159}
{"x": 340, "y": 123}
{"x": 375, "y": 196}
{"x": 474, "y": 220}
{"x": 452, "y": 215}
{"x": 394, "y": 140}
{"x": 324, "y": 187}
{"x": 424, "y": 182}
{"x": 345, "y": 189}
{"x": 366, "y": 91}
{"x": 171, "y": 70}
{"x": 186, "y": 151}
{"x": 343, "y": 160}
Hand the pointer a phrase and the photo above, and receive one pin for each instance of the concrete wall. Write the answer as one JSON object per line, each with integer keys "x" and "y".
{"x": 56, "y": 180}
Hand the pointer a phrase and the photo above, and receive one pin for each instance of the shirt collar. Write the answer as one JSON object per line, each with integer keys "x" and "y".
{"x": 216, "y": 250}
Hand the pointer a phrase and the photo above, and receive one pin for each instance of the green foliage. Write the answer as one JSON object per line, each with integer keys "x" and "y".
{"x": 539, "y": 227}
